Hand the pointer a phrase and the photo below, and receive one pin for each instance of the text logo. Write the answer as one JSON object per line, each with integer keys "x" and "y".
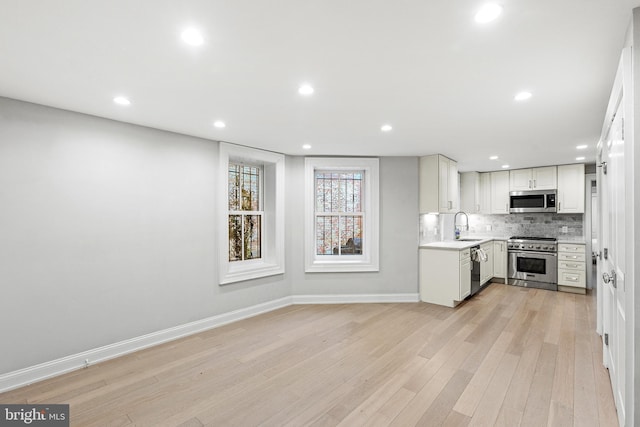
{"x": 34, "y": 415}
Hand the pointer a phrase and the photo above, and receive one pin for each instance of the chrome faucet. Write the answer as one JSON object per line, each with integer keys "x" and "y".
{"x": 456, "y": 230}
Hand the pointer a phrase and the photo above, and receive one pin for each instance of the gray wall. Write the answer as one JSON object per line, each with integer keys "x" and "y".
{"x": 398, "y": 235}
{"x": 106, "y": 233}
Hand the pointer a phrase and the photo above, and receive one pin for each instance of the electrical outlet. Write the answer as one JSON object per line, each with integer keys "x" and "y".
{"x": 435, "y": 231}
{"x": 565, "y": 229}
{"x": 488, "y": 227}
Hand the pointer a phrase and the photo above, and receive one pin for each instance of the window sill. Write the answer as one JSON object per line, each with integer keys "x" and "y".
{"x": 248, "y": 272}
{"x": 341, "y": 267}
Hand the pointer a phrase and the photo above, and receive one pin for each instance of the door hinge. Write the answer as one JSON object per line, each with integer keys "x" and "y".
{"x": 606, "y": 253}
{"x": 606, "y": 339}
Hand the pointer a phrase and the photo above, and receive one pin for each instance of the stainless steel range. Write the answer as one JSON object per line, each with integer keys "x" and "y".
{"x": 533, "y": 262}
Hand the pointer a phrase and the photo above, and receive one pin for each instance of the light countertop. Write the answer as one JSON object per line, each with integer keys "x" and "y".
{"x": 576, "y": 240}
{"x": 457, "y": 245}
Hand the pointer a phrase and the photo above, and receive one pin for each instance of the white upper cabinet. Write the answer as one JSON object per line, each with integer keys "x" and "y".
{"x": 439, "y": 188}
{"x": 470, "y": 192}
{"x": 475, "y": 192}
{"x": 485, "y": 193}
{"x": 571, "y": 189}
{"x": 544, "y": 178}
{"x": 500, "y": 192}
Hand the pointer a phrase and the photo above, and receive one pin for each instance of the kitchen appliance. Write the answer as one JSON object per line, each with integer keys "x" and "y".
{"x": 533, "y": 262}
{"x": 475, "y": 270}
{"x": 532, "y": 201}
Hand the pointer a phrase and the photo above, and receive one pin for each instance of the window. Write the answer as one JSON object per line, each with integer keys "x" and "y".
{"x": 341, "y": 214}
{"x": 245, "y": 214}
{"x": 251, "y": 213}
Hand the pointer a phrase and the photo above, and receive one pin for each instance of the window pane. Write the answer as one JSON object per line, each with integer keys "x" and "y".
{"x": 235, "y": 237}
{"x": 234, "y": 187}
{"x": 338, "y": 192}
{"x": 327, "y": 235}
{"x": 252, "y": 227}
{"x": 244, "y": 188}
{"x": 351, "y": 235}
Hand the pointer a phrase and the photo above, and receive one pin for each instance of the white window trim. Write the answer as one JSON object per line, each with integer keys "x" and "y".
{"x": 272, "y": 192}
{"x": 369, "y": 261}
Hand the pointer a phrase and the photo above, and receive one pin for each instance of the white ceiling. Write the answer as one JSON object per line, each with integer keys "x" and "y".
{"x": 445, "y": 83}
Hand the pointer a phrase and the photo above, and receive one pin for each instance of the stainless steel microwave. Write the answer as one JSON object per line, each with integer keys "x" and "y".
{"x": 532, "y": 201}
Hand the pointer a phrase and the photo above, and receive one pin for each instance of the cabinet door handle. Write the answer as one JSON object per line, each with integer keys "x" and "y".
{"x": 559, "y": 206}
{"x": 506, "y": 207}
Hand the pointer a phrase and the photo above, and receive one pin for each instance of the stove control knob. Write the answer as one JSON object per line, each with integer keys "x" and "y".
{"x": 530, "y": 246}
{"x": 538, "y": 247}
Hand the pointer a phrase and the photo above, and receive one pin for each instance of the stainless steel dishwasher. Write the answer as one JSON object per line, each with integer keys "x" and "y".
{"x": 475, "y": 270}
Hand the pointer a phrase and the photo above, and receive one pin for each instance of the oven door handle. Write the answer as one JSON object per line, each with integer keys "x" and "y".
{"x": 530, "y": 254}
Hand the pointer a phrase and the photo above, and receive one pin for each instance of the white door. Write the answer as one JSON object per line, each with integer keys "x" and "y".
{"x": 611, "y": 269}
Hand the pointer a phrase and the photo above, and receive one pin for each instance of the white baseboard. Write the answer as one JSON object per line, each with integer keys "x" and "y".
{"x": 32, "y": 374}
{"x": 73, "y": 362}
{"x": 351, "y": 299}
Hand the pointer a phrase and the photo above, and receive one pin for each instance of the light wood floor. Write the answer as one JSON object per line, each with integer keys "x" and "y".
{"x": 508, "y": 357}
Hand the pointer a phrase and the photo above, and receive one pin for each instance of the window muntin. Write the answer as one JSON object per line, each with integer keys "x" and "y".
{"x": 245, "y": 214}
{"x": 339, "y": 216}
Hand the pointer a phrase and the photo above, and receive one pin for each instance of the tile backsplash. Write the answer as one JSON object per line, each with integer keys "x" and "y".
{"x": 440, "y": 227}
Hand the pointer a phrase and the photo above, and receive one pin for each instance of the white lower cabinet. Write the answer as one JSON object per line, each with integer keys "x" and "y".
{"x": 486, "y": 268}
{"x": 445, "y": 275}
{"x": 571, "y": 268}
{"x": 500, "y": 259}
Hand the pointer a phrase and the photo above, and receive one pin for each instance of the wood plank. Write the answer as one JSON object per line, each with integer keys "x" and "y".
{"x": 536, "y": 411}
{"x": 468, "y": 401}
{"x": 491, "y": 402}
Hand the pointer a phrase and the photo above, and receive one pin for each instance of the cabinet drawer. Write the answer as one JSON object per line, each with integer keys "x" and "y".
{"x": 465, "y": 253}
{"x": 572, "y": 278}
{"x": 565, "y": 247}
{"x": 570, "y": 257}
{"x": 571, "y": 265}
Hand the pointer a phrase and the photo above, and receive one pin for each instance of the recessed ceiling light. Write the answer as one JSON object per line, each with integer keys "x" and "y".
{"x": 192, "y": 37}
{"x": 386, "y": 128}
{"x": 493, "y": 158}
{"x": 581, "y": 147}
{"x": 488, "y": 13}
{"x": 219, "y": 124}
{"x": 505, "y": 166}
{"x": 305, "y": 89}
{"x": 579, "y": 158}
{"x": 306, "y": 147}
{"x": 522, "y": 96}
{"x": 121, "y": 100}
